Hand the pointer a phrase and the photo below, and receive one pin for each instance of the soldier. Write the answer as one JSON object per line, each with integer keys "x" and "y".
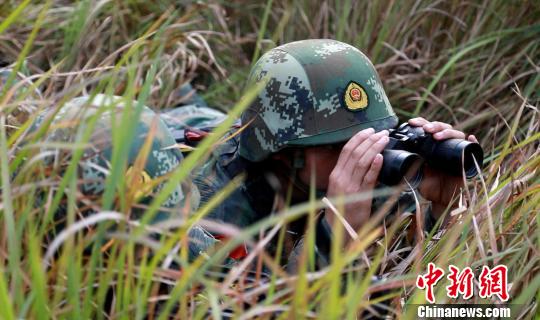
{"x": 322, "y": 110}
{"x": 150, "y": 158}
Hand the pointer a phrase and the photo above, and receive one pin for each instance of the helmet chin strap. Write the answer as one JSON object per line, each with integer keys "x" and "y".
{"x": 299, "y": 162}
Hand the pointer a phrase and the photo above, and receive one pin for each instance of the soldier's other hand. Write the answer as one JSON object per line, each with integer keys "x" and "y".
{"x": 436, "y": 186}
{"x": 356, "y": 171}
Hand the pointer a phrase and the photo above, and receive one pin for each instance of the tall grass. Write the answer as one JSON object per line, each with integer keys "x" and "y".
{"x": 474, "y": 65}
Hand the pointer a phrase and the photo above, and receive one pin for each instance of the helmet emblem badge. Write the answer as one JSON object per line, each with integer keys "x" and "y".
{"x": 355, "y": 97}
{"x": 139, "y": 181}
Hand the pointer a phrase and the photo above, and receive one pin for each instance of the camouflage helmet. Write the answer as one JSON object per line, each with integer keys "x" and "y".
{"x": 318, "y": 92}
{"x": 141, "y": 177}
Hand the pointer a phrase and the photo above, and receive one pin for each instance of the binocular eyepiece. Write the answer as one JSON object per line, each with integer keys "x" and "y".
{"x": 409, "y": 147}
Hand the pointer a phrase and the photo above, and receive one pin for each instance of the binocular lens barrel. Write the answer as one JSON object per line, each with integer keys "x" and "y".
{"x": 410, "y": 146}
{"x": 452, "y": 156}
{"x": 456, "y": 155}
{"x": 398, "y": 165}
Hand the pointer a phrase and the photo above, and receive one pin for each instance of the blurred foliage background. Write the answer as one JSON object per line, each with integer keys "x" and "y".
{"x": 474, "y": 64}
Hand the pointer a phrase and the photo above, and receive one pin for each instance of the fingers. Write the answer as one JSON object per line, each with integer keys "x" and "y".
{"x": 440, "y": 130}
{"x": 368, "y": 150}
{"x": 436, "y": 126}
{"x": 351, "y": 145}
{"x": 429, "y": 126}
{"x": 472, "y": 139}
{"x": 357, "y": 157}
{"x": 418, "y": 122}
{"x": 364, "y": 150}
{"x": 449, "y": 134}
{"x": 373, "y": 173}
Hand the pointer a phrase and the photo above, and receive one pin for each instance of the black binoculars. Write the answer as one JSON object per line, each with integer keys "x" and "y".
{"x": 410, "y": 147}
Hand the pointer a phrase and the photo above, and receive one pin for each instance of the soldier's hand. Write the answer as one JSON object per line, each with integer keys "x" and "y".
{"x": 356, "y": 171}
{"x": 436, "y": 186}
